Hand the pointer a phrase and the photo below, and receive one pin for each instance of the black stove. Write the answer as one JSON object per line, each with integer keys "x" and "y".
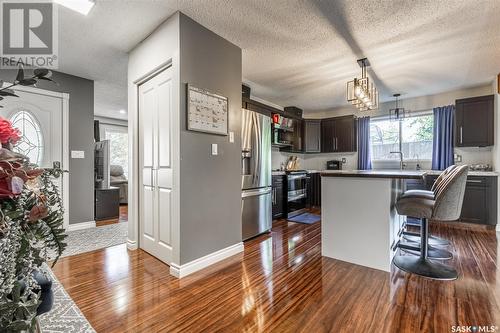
{"x": 296, "y": 192}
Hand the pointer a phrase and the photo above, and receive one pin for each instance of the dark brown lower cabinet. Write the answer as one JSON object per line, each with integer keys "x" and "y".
{"x": 480, "y": 198}
{"x": 480, "y": 201}
{"x": 314, "y": 190}
{"x": 107, "y": 203}
{"x": 278, "y": 196}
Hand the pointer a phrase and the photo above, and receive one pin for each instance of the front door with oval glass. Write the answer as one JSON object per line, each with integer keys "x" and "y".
{"x": 38, "y": 114}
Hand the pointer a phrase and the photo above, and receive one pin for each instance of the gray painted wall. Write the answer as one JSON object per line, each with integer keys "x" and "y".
{"x": 81, "y": 137}
{"x": 210, "y": 213}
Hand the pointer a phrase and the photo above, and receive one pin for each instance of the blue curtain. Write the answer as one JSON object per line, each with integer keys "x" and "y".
{"x": 364, "y": 146}
{"x": 442, "y": 145}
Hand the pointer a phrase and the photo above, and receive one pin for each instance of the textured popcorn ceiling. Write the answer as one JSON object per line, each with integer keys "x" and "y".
{"x": 303, "y": 52}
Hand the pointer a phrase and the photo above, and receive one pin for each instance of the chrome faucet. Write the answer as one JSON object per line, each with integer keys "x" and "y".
{"x": 401, "y": 163}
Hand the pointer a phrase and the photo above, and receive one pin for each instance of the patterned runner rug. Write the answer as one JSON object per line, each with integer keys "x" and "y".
{"x": 65, "y": 315}
{"x": 86, "y": 240}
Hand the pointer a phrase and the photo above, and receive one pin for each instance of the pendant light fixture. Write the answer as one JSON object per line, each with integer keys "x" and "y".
{"x": 361, "y": 92}
{"x": 398, "y": 113}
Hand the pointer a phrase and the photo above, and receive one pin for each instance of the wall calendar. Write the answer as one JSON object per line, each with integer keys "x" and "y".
{"x": 207, "y": 112}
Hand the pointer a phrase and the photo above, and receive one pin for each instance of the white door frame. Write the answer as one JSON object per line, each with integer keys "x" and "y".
{"x": 65, "y": 139}
{"x": 133, "y": 239}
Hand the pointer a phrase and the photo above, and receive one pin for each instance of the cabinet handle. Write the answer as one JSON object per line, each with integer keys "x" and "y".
{"x": 474, "y": 181}
{"x": 461, "y": 134}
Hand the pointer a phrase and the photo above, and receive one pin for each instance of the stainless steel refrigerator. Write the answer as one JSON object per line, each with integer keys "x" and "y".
{"x": 256, "y": 209}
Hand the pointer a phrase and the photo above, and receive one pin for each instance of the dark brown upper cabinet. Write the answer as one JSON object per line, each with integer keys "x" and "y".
{"x": 339, "y": 135}
{"x": 474, "y": 121}
{"x": 312, "y": 136}
{"x": 297, "y": 141}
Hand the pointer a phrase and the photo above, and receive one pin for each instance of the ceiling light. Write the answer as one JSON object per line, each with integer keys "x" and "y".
{"x": 398, "y": 113}
{"x": 361, "y": 92}
{"x": 122, "y": 111}
{"x": 81, "y": 6}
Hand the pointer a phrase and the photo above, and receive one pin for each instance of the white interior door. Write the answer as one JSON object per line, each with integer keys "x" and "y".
{"x": 155, "y": 111}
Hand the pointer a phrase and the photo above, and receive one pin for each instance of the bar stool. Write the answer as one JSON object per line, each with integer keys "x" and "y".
{"x": 415, "y": 237}
{"x": 446, "y": 207}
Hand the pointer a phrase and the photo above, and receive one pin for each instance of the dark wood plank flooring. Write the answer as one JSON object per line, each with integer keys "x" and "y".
{"x": 281, "y": 283}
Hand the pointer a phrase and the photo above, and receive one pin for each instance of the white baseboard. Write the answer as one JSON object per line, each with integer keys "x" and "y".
{"x": 81, "y": 226}
{"x": 131, "y": 244}
{"x": 203, "y": 262}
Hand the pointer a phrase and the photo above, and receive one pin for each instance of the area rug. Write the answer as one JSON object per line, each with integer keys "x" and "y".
{"x": 86, "y": 240}
{"x": 65, "y": 315}
{"x": 306, "y": 218}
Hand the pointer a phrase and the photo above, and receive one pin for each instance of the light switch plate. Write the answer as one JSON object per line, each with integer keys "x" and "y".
{"x": 231, "y": 137}
{"x": 214, "y": 149}
{"x": 77, "y": 154}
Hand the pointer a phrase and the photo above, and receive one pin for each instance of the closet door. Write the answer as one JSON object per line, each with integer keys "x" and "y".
{"x": 155, "y": 110}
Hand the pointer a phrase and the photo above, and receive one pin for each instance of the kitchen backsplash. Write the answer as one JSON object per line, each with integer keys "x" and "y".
{"x": 314, "y": 161}
{"x": 318, "y": 161}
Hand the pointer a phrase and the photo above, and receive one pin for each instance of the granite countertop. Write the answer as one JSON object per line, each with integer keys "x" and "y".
{"x": 396, "y": 174}
{"x": 282, "y": 173}
{"x": 471, "y": 173}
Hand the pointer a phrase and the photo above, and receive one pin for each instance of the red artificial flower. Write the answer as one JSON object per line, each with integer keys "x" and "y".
{"x": 5, "y": 191}
{"x": 7, "y": 132}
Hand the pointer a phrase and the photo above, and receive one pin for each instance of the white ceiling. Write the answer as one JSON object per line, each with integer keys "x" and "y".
{"x": 300, "y": 52}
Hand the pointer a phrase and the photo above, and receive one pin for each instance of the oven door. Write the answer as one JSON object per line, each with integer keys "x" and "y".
{"x": 296, "y": 194}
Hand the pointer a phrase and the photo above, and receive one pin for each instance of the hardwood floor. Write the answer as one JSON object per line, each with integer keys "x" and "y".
{"x": 122, "y": 218}
{"x": 282, "y": 284}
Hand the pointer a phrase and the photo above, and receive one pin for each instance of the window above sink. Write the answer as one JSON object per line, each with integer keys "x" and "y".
{"x": 412, "y": 136}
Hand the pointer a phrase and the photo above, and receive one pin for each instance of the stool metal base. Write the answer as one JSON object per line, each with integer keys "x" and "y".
{"x": 432, "y": 252}
{"x": 425, "y": 268}
{"x": 433, "y": 240}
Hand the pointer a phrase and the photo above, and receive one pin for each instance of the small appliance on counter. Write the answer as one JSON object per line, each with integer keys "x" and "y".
{"x": 333, "y": 165}
{"x": 480, "y": 167}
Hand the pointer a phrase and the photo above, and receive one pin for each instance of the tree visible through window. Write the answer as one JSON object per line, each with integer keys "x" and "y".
{"x": 118, "y": 148}
{"x": 413, "y": 136}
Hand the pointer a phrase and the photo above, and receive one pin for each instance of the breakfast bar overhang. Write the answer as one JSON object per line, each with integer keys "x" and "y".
{"x": 360, "y": 224}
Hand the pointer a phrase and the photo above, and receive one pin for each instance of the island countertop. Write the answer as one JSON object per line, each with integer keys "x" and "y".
{"x": 393, "y": 174}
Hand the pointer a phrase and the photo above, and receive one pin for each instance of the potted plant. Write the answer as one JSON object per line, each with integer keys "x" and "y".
{"x": 31, "y": 232}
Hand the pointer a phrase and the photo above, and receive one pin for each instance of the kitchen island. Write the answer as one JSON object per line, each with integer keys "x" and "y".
{"x": 360, "y": 224}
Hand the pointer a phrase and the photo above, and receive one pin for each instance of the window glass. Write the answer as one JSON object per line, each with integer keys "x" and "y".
{"x": 384, "y": 138}
{"x": 415, "y": 134}
{"x": 31, "y": 141}
{"x": 118, "y": 147}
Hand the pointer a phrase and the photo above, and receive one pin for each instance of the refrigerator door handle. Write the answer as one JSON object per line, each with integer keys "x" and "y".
{"x": 253, "y": 193}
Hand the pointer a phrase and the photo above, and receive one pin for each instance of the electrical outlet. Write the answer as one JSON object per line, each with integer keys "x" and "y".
{"x": 344, "y": 160}
{"x": 231, "y": 137}
{"x": 458, "y": 158}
